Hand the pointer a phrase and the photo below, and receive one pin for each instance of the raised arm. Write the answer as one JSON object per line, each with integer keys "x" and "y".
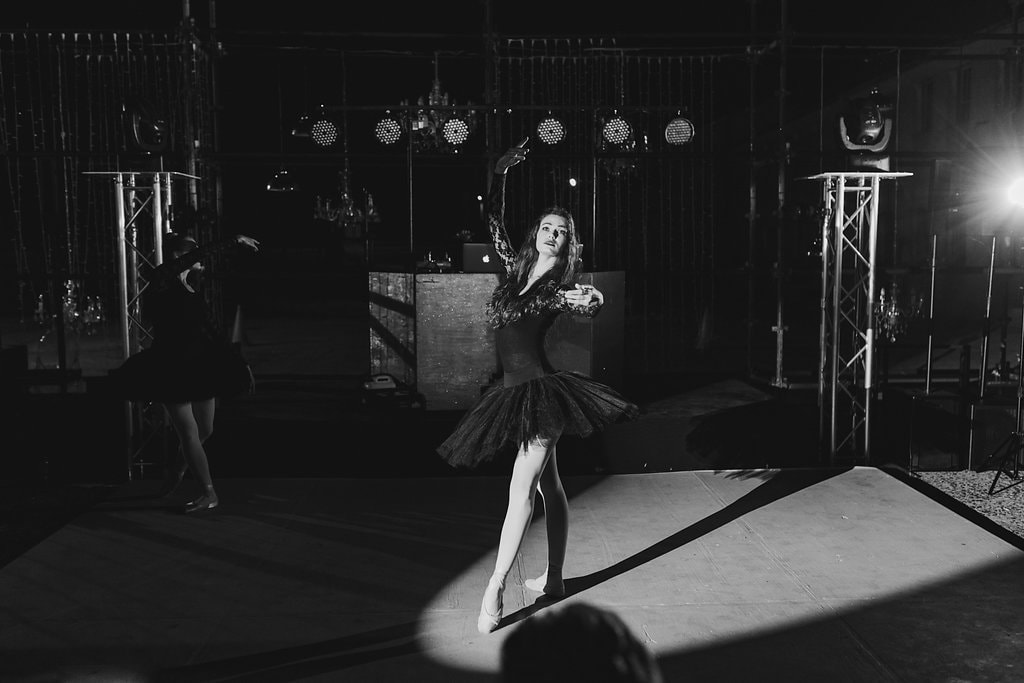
{"x": 168, "y": 270}
{"x": 496, "y": 223}
{"x": 496, "y": 200}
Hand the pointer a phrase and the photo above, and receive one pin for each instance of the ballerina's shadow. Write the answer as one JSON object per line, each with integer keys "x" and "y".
{"x": 782, "y": 484}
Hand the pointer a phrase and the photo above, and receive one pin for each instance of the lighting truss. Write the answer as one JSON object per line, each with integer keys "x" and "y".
{"x": 143, "y": 203}
{"x": 847, "y": 370}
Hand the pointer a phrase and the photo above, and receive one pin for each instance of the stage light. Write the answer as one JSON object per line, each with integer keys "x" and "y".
{"x": 455, "y": 131}
{"x": 150, "y": 132}
{"x": 866, "y": 130}
{"x": 1015, "y": 193}
{"x": 281, "y": 182}
{"x": 550, "y": 131}
{"x": 679, "y": 131}
{"x": 388, "y": 130}
{"x": 617, "y": 131}
{"x": 324, "y": 132}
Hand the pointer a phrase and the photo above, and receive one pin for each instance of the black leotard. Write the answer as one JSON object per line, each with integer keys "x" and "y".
{"x": 534, "y": 400}
{"x": 190, "y": 358}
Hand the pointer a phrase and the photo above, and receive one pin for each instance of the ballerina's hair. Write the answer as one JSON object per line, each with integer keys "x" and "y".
{"x": 569, "y": 263}
{"x": 175, "y": 244}
{"x": 505, "y": 304}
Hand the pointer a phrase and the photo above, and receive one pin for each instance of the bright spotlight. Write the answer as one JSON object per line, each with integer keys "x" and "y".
{"x": 550, "y": 131}
{"x": 324, "y": 132}
{"x": 617, "y": 130}
{"x": 455, "y": 131}
{"x": 679, "y": 131}
{"x": 1015, "y": 193}
{"x": 388, "y": 130}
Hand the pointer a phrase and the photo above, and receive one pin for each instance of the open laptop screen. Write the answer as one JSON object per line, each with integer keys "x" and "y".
{"x": 480, "y": 257}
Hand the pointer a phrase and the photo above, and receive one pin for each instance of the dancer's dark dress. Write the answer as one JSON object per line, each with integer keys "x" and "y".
{"x": 533, "y": 400}
{"x": 190, "y": 358}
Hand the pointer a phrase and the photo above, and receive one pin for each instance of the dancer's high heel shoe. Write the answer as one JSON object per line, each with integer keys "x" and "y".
{"x": 203, "y": 503}
{"x": 548, "y": 584}
{"x": 487, "y": 622}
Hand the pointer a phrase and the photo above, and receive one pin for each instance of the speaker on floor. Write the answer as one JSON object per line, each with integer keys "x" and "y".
{"x": 991, "y": 426}
{"x": 939, "y": 431}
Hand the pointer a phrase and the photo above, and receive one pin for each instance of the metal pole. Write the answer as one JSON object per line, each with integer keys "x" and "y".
{"x": 158, "y": 209}
{"x": 823, "y": 327}
{"x": 837, "y": 275}
{"x": 168, "y": 209}
{"x": 931, "y": 323}
{"x": 131, "y": 237}
{"x": 869, "y": 351}
{"x": 1020, "y": 398}
{"x": 752, "y": 198}
{"x": 783, "y": 152}
{"x": 593, "y": 204}
{"x": 122, "y": 298}
{"x": 408, "y": 161}
{"x": 988, "y": 324}
{"x": 122, "y": 266}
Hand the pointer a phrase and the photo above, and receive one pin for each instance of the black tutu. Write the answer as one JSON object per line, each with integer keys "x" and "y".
{"x": 564, "y": 402}
{"x": 165, "y": 377}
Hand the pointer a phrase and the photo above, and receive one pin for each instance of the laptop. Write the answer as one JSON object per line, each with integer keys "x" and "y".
{"x": 480, "y": 257}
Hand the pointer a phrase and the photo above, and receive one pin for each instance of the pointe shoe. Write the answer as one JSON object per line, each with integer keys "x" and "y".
{"x": 203, "y": 503}
{"x": 487, "y": 622}
{"x": 555, "y": 587}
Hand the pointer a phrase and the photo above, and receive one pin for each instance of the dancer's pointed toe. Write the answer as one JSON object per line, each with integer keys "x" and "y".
{"x": 203, "y": 503}
{"x": 487, "y": 622}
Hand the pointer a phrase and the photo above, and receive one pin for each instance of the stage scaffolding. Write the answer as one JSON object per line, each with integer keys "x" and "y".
{"x": 846, "y": 372}
{"x": 143, "y": 203}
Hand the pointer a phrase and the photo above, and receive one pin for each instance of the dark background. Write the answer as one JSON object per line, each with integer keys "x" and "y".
{"x": 276, "y": 62}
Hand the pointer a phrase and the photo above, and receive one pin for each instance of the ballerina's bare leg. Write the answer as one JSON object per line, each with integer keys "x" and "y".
{"x": 526, "y": 473}
{"x": 556, "y": 523}
{"x": 193, "y": 423}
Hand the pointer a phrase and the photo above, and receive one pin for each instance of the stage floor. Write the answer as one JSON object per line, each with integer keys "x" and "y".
{"x": 837, "y": 574}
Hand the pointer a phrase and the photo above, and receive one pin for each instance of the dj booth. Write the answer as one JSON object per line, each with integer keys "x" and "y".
{"x": 430, "y": 331}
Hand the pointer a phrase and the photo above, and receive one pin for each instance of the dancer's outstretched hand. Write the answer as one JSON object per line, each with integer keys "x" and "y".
{"x": 247, "y": 241}
{"x": 583, "y": 295}
{"x": 512, "y": 157}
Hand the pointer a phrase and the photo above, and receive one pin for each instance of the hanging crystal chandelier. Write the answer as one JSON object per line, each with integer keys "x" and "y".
{"x": 893, "y": 313}
{"x": 434, "y": 125}
{"x": 342, "y": 211}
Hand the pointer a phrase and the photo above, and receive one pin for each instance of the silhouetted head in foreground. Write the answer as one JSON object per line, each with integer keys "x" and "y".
{"x": 579, "y": 642}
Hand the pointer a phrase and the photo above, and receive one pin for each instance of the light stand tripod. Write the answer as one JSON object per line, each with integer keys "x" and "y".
{"x": 1011, "y": 446}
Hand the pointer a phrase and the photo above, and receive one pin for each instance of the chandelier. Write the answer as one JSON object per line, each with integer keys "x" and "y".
{"x": 341, "y": 210}
{"x": 434, "y": 124}
{"x": 893, "y": 313}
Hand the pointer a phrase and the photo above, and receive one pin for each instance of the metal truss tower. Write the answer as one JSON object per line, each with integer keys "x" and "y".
{"x": 143, "y": 205}
{"x": 846, "y": 370}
